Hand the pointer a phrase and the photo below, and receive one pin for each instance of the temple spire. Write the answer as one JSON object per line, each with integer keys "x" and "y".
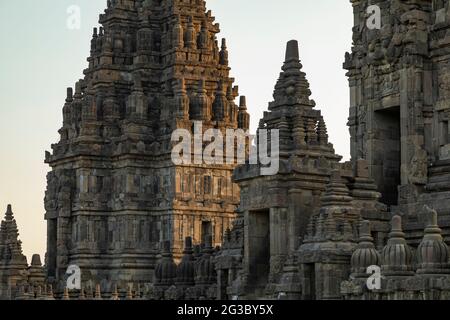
{"x": 433, "y": 252}
{"x": 292, "y": 88}
{"x": 14, "y": 263}
{"x": 243, "y": 115}
{"x": 397, "y": 256}
{"x": 153, "y": 68}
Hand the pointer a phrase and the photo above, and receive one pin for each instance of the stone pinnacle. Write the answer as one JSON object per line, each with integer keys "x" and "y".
{"x": 292, "y": 52}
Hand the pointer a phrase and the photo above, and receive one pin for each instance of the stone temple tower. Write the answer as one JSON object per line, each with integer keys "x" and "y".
{"x": 400, "y": 106}
{"x": 12, "y": 261}
{"x": 114, "y": 194}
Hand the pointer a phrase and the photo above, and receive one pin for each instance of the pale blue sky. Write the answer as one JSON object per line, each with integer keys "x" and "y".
{"x": 40, "y": 57}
